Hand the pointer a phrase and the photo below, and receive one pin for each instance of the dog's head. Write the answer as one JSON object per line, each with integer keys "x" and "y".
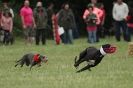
{"x": 43, "y": 58}
{"x": 107, "y": 49}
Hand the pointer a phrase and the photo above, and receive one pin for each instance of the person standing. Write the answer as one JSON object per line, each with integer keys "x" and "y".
{"x": 99, "y": 14}
{"x": 50, "y": 12}
{"x": 120, "y": 13}
{"x": 66, "y": 20}
{"x": 102, "y": 19}
{"x": 91, "y": 21}
{"x": 28, "y": 22}
{"x": 40, "y": 15}
{"x": 130, "y": 18}
{"x": 7, "y": 26}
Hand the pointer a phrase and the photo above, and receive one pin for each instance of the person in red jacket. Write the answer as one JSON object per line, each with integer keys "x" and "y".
{"x": 91, "y": 21}
{"x": 99, "y": 14}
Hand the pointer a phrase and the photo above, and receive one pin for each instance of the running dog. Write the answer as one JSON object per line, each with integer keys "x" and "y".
{"x": 31, "y": 60}
{"x": 93, "y": 56}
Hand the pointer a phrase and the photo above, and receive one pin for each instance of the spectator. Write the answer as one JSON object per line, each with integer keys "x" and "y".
{"x": 41, "y": 18}
{"x": 28, "y": 22}
{"x": 6, "y": 8}
{"x": 130, "y": 17}
{"x": 120, "y": 13}
{"x": 102, "y": 19}
{"x": 91, "y": 20}
{"x": 94, "y": 2}
{"x": 99, "y": 14}
{"x": 7, "y": 26}
{"x": 76, "y": 19}
{"x": 50, "y": 12}
{"x": 66, "y": 20}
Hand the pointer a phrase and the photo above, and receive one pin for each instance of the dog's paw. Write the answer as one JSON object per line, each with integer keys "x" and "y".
{"x": 39, "y": 65}
{"x": 78, "y": 71}
{"x": 89, "y": 69}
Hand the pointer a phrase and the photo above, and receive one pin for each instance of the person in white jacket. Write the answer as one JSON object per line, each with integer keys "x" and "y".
{"x": 120, "y": 13}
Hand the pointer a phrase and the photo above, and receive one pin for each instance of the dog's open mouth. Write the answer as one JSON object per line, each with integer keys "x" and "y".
{"x": 45, "y": 59}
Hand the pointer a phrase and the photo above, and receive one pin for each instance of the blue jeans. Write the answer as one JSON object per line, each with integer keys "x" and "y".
{"x": 67, "y": 37}
{"x": 92, "y": 36}
{"x": 75, "y": 33}
{"x": 122, "y": 25}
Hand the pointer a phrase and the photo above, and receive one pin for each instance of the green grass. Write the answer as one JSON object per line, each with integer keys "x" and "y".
{"x": 115, "y": 71}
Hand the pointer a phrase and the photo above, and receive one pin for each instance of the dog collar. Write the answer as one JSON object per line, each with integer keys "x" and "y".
{"x": 36, "y": 58}
{"x": 102, "y": 51}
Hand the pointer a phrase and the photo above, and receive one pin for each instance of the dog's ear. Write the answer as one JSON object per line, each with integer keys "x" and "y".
{"x": 40, "y": 57}
{"x": 43, "y": 58}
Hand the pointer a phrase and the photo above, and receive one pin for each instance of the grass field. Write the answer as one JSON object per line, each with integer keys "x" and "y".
{"x": 115, "y": 71}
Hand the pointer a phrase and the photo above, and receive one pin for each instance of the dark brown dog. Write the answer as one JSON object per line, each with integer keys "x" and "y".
{"x": 31, "y": 60}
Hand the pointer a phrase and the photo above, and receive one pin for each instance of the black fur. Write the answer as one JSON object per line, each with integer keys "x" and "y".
{"x": 92, "y": 55}
{"x": 28, "y": 60}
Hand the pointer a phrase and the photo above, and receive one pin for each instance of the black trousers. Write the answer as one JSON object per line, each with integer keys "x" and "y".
{"x": 98, "y": 33}
{"x": 40, "y": 35}
{"x": 122, "y": 25}
{"x": 8, "y": 38}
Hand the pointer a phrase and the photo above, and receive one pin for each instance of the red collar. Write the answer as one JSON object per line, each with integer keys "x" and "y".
{"x": 36, "y": 58}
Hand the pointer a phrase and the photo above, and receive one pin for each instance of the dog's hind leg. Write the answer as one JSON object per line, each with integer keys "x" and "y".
{"x": 83, "y": 54}
{"x": 85, "y": 68}
{"x": 18, "y": 62}
{"x": 16, "y": 65}
{"x": 22, "y": 63}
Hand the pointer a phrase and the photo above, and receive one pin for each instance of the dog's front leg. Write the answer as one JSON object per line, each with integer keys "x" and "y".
{"x": 79, "y": 62}
{"x": 85, "y": 68}
{"x": 39, "y": 64}
{"x": 33, "y": 64}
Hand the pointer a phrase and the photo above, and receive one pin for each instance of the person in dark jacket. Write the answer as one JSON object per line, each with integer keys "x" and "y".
{"x": 66, "y": 20}
{"x": 41, "y": 18}
{"x": 50, "y": 12}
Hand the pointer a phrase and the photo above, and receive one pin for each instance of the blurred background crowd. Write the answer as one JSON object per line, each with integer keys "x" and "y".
{"x": 64, "y": 21}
